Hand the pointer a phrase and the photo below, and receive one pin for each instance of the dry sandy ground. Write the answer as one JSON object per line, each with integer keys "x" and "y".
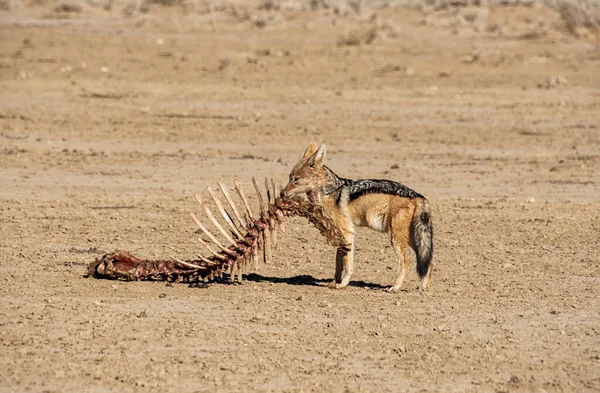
{"x": 94, "y": 161}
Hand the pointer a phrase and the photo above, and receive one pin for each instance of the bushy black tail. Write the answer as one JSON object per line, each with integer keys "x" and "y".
{"x": 422, "y": 236}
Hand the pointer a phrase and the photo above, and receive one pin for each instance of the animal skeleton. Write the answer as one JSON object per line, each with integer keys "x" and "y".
{"x": 249, "y": 234}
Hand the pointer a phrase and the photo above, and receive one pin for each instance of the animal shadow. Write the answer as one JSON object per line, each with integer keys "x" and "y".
{"x": 306, "y": 279}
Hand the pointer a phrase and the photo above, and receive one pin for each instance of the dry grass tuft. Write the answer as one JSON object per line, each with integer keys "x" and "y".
{"x": 132, "y": 9}
{"x": 7, "y": 5}
{"x": 578, "y": 14}
{"x": 264, "y": 19}
{"x": 355, "y": 37}
{"x": 342, "y": 7}
{"x": 68, "y": 7}
{"x": 168, "y": 3}
{"x": 241, "y": 13}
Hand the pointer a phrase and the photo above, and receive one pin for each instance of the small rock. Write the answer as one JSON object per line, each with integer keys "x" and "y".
{"x": 201, "y": 285}
{"x": 162, "y": 296}
{"x": 553, "y": 82}
{"x": 160, "y": 41}
{"x": 300, "y": 298}
{"x": 223, "y": 63}
{"x": 531, "y": 200}
{"x": 104, "y": 69}
{"x": 561, "y": 80}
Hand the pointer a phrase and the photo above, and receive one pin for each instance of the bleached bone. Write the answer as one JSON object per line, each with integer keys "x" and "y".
{"x": 268, "y": 190}
{"x": 186, "y": 264}
{"x": 261, "y": 202}
{"x": 277, "y": 193}
{"x": 216, "y": 254}
{"x": 271, "y": 199}
{"x": 205, "y": 260}
{"x": 240, "y": 191}
{"x": 267, "y": 228}
{"x": 231, "y": 204}
{"x": 212, "y": 219}
{"x": 210, "y": 235}
{"x": 224, "y": 213}
{"x": 249, "y": 236}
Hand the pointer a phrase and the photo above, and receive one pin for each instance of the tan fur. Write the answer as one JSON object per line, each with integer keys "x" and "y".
{"x": 392, "y": 214}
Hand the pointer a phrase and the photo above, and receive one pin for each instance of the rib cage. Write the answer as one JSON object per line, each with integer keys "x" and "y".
{"x": 248, "y": 236}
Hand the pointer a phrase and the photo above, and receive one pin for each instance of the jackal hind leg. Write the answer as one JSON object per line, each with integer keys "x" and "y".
{"x": 425, "y": 280}
{"x": 399, "y": 238}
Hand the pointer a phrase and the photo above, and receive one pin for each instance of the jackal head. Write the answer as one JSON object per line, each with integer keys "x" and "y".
{"x": 306, "y": 175}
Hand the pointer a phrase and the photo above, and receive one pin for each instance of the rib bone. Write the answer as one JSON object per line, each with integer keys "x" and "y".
{"x": 231, "y": 204}
{"x": 212, "y": 219}
{"x": 224, "y": 213}
{"x": 240, "y": 191}
{"x": 210, "y": 235}
{"x": 269, "y": 200}
{"x": 216, "y": 254}
{"x": 267, "y": 224}
{"x": 261, "y": 202}
{"x": 272, "y": 224}
{"x": 186, "y": 264}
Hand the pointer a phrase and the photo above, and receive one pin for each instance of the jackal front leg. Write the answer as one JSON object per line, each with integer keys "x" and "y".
{"x": 344, "y": 263}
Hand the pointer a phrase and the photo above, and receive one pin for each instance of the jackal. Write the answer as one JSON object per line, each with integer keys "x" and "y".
{"x": 382, "y": 205}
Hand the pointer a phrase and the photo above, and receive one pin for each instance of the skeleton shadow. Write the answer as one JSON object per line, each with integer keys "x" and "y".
{"x": 308, "y": 280}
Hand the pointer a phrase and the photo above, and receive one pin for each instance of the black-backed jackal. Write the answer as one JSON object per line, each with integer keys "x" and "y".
{"x": 382, "y": 205}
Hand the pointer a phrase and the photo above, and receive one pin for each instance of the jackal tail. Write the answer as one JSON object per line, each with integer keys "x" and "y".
{"x": 422, "y": 234}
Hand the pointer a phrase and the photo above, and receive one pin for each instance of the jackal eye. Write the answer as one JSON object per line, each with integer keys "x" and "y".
{"x": 295, "y": 179}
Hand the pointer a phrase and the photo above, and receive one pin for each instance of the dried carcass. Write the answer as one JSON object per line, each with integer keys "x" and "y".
{"x": 248, "y": 235}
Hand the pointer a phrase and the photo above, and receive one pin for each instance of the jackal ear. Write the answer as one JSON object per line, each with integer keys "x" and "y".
{"x": 310, "y": 150}
{"x": 317, "y": 159}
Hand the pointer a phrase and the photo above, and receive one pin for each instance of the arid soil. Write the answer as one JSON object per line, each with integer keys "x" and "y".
{"x": 110, "y": 124}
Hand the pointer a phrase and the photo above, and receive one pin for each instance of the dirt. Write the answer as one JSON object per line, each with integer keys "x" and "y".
{"x": 109, "y": 125}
